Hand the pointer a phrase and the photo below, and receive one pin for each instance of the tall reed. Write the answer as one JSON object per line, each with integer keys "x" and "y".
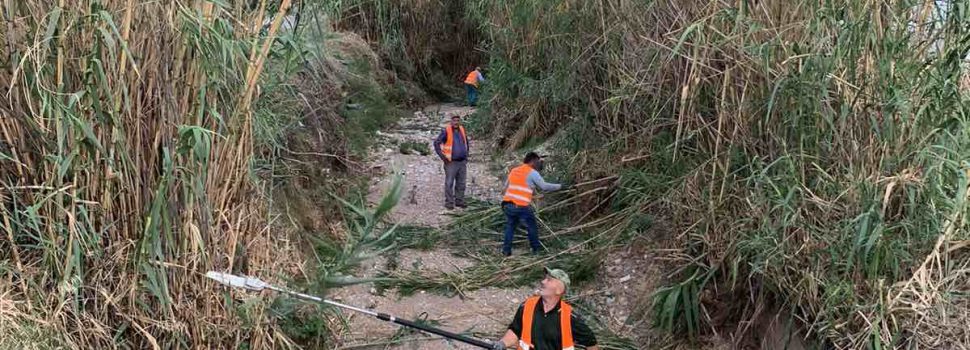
{"x": 429, "y": 42}
{"x": 125, "y": 171}
{"x": 813, "y": 153}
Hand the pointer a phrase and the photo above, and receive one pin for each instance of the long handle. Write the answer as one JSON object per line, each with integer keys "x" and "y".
{"x": 443, "y": 333}
{"x": 389, "y": 318}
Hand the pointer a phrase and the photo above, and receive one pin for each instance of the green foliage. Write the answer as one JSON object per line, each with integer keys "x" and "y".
{"x": 366, "y": 239}
{"x": 427, "y": 42}
{"x": 411, "y": 147}
{"x": 417, "y": 237}
{"x": 303, "y": 322}
{"x": 490, "y": 272}
{"x": 823, "y": 146}
{"x": 366, "y": 109}
{"x": 676, "y": 308}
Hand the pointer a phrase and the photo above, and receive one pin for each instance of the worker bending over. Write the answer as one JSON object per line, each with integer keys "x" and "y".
{"x": 546, "y": 321}
{"x": 519, "y": 187}
{"x": 471, "y": 85}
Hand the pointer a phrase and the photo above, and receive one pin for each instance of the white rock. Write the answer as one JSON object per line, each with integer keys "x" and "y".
{"x": 625, "y": 278}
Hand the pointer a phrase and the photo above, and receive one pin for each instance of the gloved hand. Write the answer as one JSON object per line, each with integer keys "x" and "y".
{"x": 498, "y": 345}
{"x": 565, "y": 186}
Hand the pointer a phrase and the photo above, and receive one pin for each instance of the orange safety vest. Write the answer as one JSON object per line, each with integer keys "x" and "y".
{"x": 450, "y": 140}
{"x": 518, "y": 191}
{"x": 565, "y": 324}
{"x": 472, "y": 78}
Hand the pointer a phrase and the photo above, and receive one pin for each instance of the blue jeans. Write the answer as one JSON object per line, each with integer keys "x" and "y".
{"x": 472, "y": 93}
{"x": 512, "y": 216}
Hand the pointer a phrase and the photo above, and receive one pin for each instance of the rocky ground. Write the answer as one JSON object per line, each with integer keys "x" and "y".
{"x": 615, "y": 296}
{"x": 484, "y": 311}
{"x": 423, "y": 201}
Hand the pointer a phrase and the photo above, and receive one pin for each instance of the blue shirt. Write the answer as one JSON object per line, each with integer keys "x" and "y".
{"x": 459, "y": 150}
{"x": 535, "y": 181}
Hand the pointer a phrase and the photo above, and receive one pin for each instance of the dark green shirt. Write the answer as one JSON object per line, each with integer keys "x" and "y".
{"x": 546, "y": 334}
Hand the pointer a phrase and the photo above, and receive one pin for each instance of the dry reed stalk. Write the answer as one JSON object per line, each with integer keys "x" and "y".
{"x": 787, "y": 117}
{"x": 122, "y": 197}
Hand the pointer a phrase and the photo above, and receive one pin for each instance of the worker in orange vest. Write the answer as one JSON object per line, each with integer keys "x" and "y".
{"x": 522, "y": 182}
{"x": 471, "y": 85}
{"x": 453, "y": 149}
{"x": 546, "y": 321}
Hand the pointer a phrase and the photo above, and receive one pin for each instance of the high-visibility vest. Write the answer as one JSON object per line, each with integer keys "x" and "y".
{"x": 472, "y": 78}
{"x": 450, "y": 140}
{"x": 565, "y": 324}
{"x": 518, "y": 190}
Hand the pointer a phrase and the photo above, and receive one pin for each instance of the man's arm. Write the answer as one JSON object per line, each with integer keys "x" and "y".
{"x": 583, "y": 334}
{"x": 509, "y": 339}
{"x": 437, "y": 144}
{"x": 481, "y": 77}
{"x": 536, "y": 181}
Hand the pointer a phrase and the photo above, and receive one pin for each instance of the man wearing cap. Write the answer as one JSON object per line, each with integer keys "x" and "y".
{"x": 523, "y": 180}
{"x": 452, "y": 147}
{"x": 546, "y": 322}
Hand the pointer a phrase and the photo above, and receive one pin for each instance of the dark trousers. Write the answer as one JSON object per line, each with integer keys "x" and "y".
{"x": 455, "y": 172}
{"x": 513, "y": 214}
{"x": 472, "y": 93}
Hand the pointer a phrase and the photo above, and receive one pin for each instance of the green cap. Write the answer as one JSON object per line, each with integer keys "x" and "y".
{"x": 559, "y": 275}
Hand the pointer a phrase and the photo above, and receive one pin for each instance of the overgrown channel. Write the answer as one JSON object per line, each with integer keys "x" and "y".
{"x": 746, "y": 174}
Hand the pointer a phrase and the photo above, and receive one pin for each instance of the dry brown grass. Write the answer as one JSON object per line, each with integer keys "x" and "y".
{"x": 127, "y": 140}
{"x": 810, "y": 154}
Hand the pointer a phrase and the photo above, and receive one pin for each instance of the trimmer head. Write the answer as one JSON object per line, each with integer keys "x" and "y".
{"x": 250, "y": 283}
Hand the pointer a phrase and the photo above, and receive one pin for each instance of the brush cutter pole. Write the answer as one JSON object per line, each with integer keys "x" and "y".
{"x": 432, "y": 330}
{"x": 322, "y": 301}
{"x": 254, "y": 284}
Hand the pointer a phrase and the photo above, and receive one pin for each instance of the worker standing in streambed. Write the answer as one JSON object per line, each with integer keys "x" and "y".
{"x": 471, "y": 85}
{"x": 523, "y": 180}
{"x": 453, "y": 149}
{"x": 546, "y": 322}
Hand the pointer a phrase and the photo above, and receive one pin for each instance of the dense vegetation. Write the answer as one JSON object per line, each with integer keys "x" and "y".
{"x": 804, "y": 156}
{"x": 807, "y": 156}
{"x": 144, "y": 143}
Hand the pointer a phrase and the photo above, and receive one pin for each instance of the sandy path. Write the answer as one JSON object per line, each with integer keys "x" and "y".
{"x": 424, "y": 174}
{"x": 485, "y": 311}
